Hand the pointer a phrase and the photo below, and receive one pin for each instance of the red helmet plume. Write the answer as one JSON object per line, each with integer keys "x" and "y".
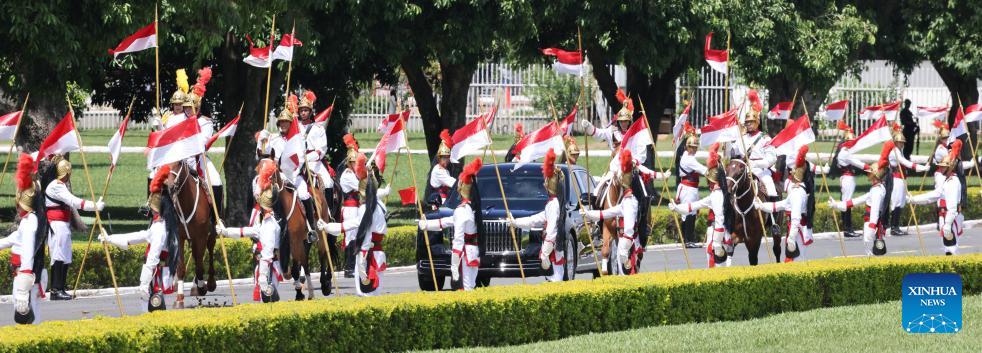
{"x": 800, "y": 161}
{"x": 519, "y": 130}
{"x": 956, "y": 148}
{"x": 621, "y": 97}
{"x": 309, "y": 96}
{"x": 713, "y": 160}
{"x": 158, "y": 179}
{"x": 266, "y": 170}
{"x": 350, "y": 142}
{"x": 549, "y": 164}
{"x": 25, "y": 166}
{"x": 885, "y": 152}
{"x": 627, "y": 161}
{"x": 842, "y": 126}
{"x": 445, "y": 136}
{"x": 470, "y": 171}
{"x": 292, "y": 104}
{"x": 204, "y": 76}
{"x": 361, "y": 170}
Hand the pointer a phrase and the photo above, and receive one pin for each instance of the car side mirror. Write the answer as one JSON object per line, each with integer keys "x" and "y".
{"x": 586, "y": 198}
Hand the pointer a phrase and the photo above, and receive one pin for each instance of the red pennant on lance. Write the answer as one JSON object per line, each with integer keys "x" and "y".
{"x": 781, "y": 111}
{"x": 469, "y": 139}
{"x": 876, "y": 134}
{"x": 934, "y": 113}
{"x": 636, "y": 139}
{"x": 721, "y": 128}
{"x": 226, "y": 131}
{"x": 566, "y": 125}
{"x": 679, "y": 126}
{"x": 888, "y": 110}
{"x": 835, "y": 111}
{"x": 392, "y": 141}
{"x": 408, "y": 195}
{"x": 797, "y": 134}
{"x": 390, "y": 120}
{"x": 258, "y": 57}
{"x": 323, "y": 117}
{"x": 144, "y": 38}
{"x": 958, "y": 128}
{"x": 973, "y": 113}
{"x": 567, "y": 62}
{"x": 717, "y": 59}
{"x": 62, "y": 139}
{"x": 175, "y": 143}
{"x": 284, "y": 51}
{"x": 538, "y": 143}
{"x": 8, "y": 125}
{"x": 116, "y": 142}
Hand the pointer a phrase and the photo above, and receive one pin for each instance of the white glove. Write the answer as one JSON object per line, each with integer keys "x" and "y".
{"x": 382, "y": 192}
{"x": 920, "y": 168}
{"x": 588, "y": 127}
{"x": 824, "y": 169}
{"x": 758, "y": 204}
{"x": 839, "y": 205}
{"x": 22, "y": 291}
{"x": 144, "y": 291}
{"x": 363, "y": 269}
{"x": 592, "y": 215}
{"x": 93, "y": 206}
{"x": 422, "y": 224}
{"x": 220, "y": 229}
{"x": 103, "y": 236}
{"x": 156, "y": 123}
{"x": 263, "y": 135}
{"x": 662, "y": 175}
{"x": 672, "y": 206}
{"x": 321, "y": 225}
{"x": 547, "y": 248}
{"x": 454, "y": 266}
{"x": 624, "y": 251}
{"x": 312, "y": 157}
{"x": 333, "y": 228}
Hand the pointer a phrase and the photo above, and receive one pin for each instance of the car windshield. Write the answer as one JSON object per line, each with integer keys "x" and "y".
{"x": 524, "y": 188}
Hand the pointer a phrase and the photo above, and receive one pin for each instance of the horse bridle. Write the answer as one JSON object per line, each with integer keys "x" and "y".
{"x": 178, "y": 184}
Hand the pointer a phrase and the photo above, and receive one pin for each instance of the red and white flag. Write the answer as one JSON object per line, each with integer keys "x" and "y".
{"x": 797, "y": 134}
{"x": 835, "y": 111}
{"x": 490, "y": 115}
{"x": 679, "y": 126}
{"x": 284, "y": 51}
{"x": 721, "y": 128}
{"x": 143, "y": 39}
{"x": 116, "y": 142}
{"x": 226, "y": 131}
{"x": 324, "y": 116}
{"x": 175, "y": 143}
{"x": 567, "y": 62}
{"x": 959, "y": 128}
{"x": 536, "y": 144}
{"x": 567, "y": 123}
{"x": 8, "y": 125}
{"x": 637, "y": 139}
{"x": 936, "y": 113}
{"x": 294, "y": 151}
{"x": 62, "y": 139}
{"x": 258, "y": 57}
{"x": 470, "y": 138}
{"x": 876, "y": 134}
{"x": 781, "y": 111}
{"x": 888, "y": 110}
{"x": 393, "y": 139}
{"x": 717, "y": 59}
{"x": 973, "y": 113}
{"x": 391, "y": 119}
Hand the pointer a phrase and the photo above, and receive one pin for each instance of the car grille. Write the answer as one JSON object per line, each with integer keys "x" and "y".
{"x": 498, "y": 237}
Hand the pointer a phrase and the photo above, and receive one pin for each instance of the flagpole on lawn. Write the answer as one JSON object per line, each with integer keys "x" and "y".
{"x": 269, "y": 77}
{"x": 229, "y": 142}
{"x": 156, "y": 57}
{"x": 98, "y": 219}
{"x": 726, "y": 78}
{"x": 289, "y": 64}
{"x": 504, "y": 199}
{"x": 825, "y": 183}
{"x": 675, "y": 217}
{"x": 105, "y": 189}
{"x": 586, "y": 141}
{"x": 13, "y": 141}
{"x": 419, "y": 207}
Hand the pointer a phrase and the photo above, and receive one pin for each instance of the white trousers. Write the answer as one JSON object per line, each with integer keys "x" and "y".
{"x": 348, "y": 213}
{"x": 686, "y": 194}
{"x": 847, "y": 184}
{"x": 359, "y": 262}
{"x": 898, "y": 197}
{"x": 764, "y": 175}
{"x": 60, "y": 242}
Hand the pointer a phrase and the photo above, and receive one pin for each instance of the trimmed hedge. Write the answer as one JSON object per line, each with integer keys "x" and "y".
{"x": 500, "y": 315}
{"x": 399, "y": 247}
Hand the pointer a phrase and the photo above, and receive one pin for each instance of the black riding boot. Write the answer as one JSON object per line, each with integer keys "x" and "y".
{"x": 219, "y": 192}
{"x": 349, "y": 260}
{"x": 308, "y": 209}
{"x": 775, "y": 227}
{"x": 847, "y": 225}
{"x": 689, "y": 231}
{"x": 59, "y": 273}
{"x": 895, "y": 222}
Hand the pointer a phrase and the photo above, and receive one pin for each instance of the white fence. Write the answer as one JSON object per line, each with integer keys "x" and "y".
{"x": 102, "y": 118}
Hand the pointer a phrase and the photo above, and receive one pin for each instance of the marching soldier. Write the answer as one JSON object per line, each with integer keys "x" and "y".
{"x": 552, "y": 219}
{"x": 372, "y": 228}
{"x": 26, "y": 245}
{"x": 61, "y": 207}
{"x": 719, "y": 247}
{"x": 848, "y": 167}
{"x": 877, "y": 202}
{"x": 689, "y": 170}
{"x": 614, "y": 133}
{"x": 349, "y": 206}
{"x": 161, "y": 239}
{"x": 795, "y": 206}
{"x": 268, "y": 273}
{"x": 898, "y": 198}
{"x": 465, "y": 258}
{"x": 948, "y": 199}
{"x": 440, "y": 179}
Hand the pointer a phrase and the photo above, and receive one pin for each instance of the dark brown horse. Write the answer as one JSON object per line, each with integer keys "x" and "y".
{"x": 197, "y": 228}
{"x": 294, "y": 248}
{"x": 745, "y": 220}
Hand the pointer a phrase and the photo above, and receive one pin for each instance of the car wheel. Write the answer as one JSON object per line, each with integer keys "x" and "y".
{"x": 571, "y": 260}
{"x": 426, "y": 282}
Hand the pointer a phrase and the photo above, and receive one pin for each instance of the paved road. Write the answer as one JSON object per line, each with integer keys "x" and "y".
{"x": 397, "y": 280}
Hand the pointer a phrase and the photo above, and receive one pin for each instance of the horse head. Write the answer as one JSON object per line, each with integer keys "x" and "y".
{"x": 736, "y": 174}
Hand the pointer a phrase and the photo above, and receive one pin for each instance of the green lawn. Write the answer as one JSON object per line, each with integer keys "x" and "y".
{"x": 863, "y": 328}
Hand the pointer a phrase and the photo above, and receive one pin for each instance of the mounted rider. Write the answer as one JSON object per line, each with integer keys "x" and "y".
{"x": 61, "y": 209}
{"x": 552, "y": 220}
{"x": 614, "y": 133}
{"x": 626, "y": 213}
{"x": 948, "y": 198}
{"x": 755, "y": 148}
{"x": 440, "y": 179}
{"x": 315, "y": 141}
{"x": 877, "y": 202}
{"x": 268, "y": 273}
{"x": 26, "y": 245}
{"x": 465, "y": 258}
{"x": 796, "y": 207}
{"x": 719, "y": 246}
{"x": 202, "y": 164}
{"x": 161, "y": 239}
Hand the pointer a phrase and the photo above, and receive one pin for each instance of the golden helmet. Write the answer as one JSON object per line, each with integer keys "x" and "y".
{"x": 943, "y": 131}
{"x": 26, "y": 187}
{"x": 445, "y": 144}
{"x": 63, "y": 167}
{"x": 627, "y": 109}
{"x": 156, "y": 187}
{"x": 950, "y": 161}
{"x": 879, "y": 169}
{"x": 352, "y": 145}
{"x": 572, "y": 148}
{"x": 692, "y": 141}
{"x": 627, "y": 168}
{"x": 183, "y": 87}
{"x": 552, "y": 176}
{"x": 519, "y": 132}
{"x": 285, "y": 115}
{"x": 712, "y": 164}
{"x": 178, "y": 97}
{"x": 289, "y": 110}
{"x": 468, "y": 177}
{"x": 898, "y": 137}
{"x": 751, "y": 117}
{"x": 800, "y": 165}
{"x": 265, "y": 199}
{"x": 308, "y": 99}
{"x": 267, "y": 169}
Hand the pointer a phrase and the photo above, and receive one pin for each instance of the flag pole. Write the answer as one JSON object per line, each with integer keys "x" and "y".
{"x": 746, "y": 157}
{"x": 229, "y": 143}
{"x": 675, "y": 217}
{"x": 269, "y": 77}
{"x": 726, "y": 78}
{"x": 504, "y": 199}
{"x": 13, "y": 142}
{"x": 586, "y": 142}
{"x": 327, "y": 247}
{"x": 825, "y": 183}
{"x": 105, "y": 189}
{"x": 289, "y": 64}
{"x": 98, "y": 219}
{"x": 156, "y": 57}
{"x": 419, "y": 207}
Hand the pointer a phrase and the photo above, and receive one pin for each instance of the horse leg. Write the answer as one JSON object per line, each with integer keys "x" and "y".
{"x": 326, "y": 274}
{"x": 296, "y": 268}
{"x": 212, "y": 284}
{"x": 777, "y": 247}
{"x": 198, "y": 253}
{"x": 179, "y": 276}
{"x": 753, "y": 247}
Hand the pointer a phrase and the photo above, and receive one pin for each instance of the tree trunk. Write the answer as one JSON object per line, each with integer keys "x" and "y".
{"x": 655, "y": 93}
{"x": 454, "y": 87}
{"x": 605, "y": 81}
{"x": 425, "y": 102}
{"x": 964, "y": 91}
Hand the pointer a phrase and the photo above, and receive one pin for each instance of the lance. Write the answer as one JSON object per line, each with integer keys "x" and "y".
{"x": 228, "y": 144}
{"x": 156, "y": 59}
{"x": 13, "y": 141}
{"x": 269, "y": 77}
{"x": 327, "y": 248}
{"x": 419, "y": 207}
{"x": 835, "y": 218}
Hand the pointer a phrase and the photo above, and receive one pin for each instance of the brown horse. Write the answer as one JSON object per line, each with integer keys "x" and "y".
{"x": 197, "y": 227}
{"x": 745, "y": 220}
{"x": 609, "y": 195}
{"x": 294, "y": 236}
